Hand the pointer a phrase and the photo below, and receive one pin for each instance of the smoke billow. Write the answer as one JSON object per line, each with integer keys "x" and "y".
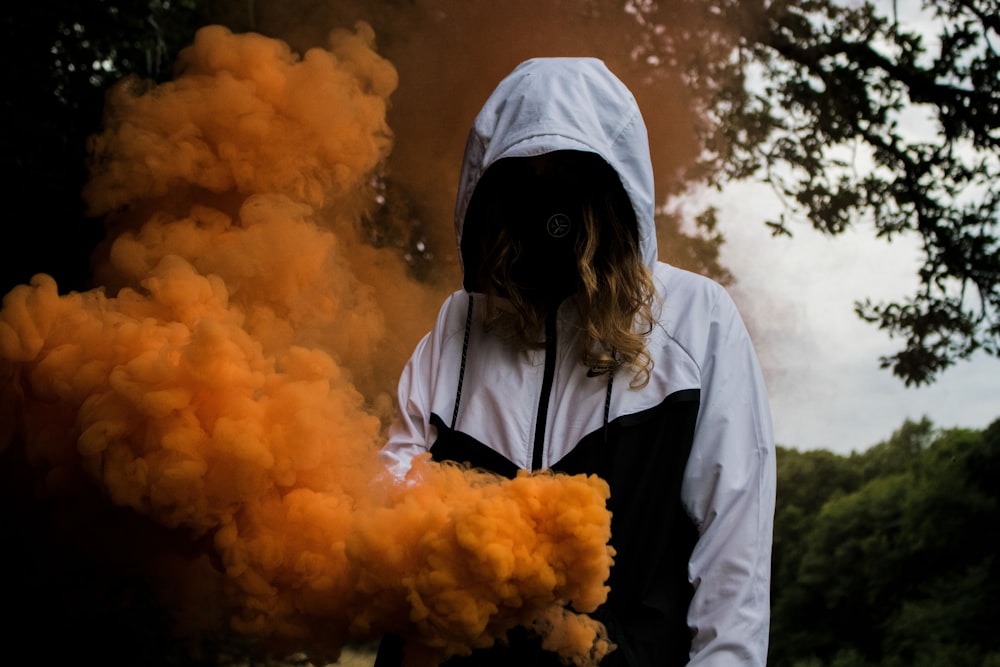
{"x": 208, "y": 419}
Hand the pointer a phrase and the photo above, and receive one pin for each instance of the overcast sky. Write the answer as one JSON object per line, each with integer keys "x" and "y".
{"x": 821, "y": 361}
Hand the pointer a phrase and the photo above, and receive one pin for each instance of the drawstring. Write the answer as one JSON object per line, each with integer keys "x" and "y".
{"x": 607, "y": 404}
{"x": 461, "y": 377}
{"x": 461, "y": 370}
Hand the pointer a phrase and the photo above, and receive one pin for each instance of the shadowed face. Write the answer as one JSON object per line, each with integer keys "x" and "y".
{"x": 527, "y": 217}
{"x": 544, "y": 212}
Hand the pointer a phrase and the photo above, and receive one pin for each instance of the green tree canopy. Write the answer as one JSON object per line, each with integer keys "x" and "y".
{"x": 888, "y": 557}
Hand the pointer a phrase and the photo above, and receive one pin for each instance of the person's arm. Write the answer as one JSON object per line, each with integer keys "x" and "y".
{"x": 729, "y": 491}
{"x": 412, "y": 433}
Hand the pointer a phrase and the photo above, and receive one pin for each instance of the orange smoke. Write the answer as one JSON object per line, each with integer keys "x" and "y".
{"x": 230, "y": 382}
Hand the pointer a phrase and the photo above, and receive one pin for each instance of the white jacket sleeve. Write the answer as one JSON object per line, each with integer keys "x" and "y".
{"x": 412, "y": 433}
{"x": 729, "y": 491}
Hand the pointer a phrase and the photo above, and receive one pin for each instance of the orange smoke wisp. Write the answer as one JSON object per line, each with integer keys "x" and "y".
{"x": 229, "y": 382}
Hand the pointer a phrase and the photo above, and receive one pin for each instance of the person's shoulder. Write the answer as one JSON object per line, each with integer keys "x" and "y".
{"x": 691, "y": 306}
{"x": 454, "y": 312}
{"x": 682, "y": 288}
{"x": 457, "y": 299}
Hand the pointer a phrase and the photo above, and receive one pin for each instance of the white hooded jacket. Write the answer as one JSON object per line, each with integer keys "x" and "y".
{"x": 689, "y": 457}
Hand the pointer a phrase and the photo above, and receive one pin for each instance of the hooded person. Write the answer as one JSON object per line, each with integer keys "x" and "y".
{"x": 572, "y": 348}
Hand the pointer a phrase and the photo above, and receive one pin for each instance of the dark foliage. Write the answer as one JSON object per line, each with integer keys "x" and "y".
{"x": 58, "y": 60}
{"x": 888, "y": 557}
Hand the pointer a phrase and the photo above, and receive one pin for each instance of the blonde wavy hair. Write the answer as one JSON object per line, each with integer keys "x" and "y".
{"x": 610, "y": 286}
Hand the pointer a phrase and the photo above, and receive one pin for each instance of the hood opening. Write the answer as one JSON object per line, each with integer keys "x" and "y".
{"x": 525, "y": 219}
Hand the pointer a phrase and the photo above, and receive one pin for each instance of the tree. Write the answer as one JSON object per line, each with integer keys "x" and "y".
{"x": 899, "y": 454}
{"x": 59, "y": 58}
{"x": 852, "y": 113}
{"x": 830, "y": 127}
{"x": 806, "y": 481}
{"x": 884, "y": 558}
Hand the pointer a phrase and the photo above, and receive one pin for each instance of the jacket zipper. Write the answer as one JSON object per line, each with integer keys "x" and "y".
{"x": 543, "y": 399}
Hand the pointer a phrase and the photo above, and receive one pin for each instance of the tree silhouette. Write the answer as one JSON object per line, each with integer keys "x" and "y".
{"x": 856, "y": 114}
{"x": 58, "y": 59}
{"x": 843, "y": 86}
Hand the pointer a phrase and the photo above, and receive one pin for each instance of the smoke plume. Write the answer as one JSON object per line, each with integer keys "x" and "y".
{"x": 207, "y": 420}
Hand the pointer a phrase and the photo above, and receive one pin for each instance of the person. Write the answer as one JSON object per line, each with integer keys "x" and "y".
{"x": 571, "y": 347}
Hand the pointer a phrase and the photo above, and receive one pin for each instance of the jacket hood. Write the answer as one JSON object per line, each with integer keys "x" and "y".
{"x": 554, "y": 104}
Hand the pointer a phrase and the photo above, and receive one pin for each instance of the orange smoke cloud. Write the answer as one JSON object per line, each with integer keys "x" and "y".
{"x": 230, "y": 382}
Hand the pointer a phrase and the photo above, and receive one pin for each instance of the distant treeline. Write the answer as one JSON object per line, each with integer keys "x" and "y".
{"x": 888, "y": 558}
